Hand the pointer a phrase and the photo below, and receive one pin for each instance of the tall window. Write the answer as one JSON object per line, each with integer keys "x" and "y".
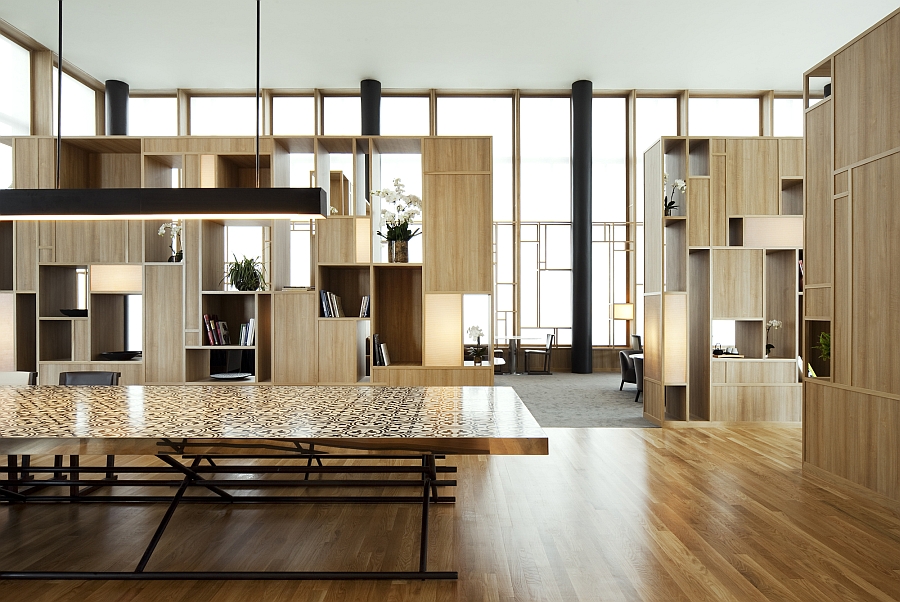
{"x": 152, "y": 116}
{"x": 15, "y": 101}
{"x": 79, "y": 106}
{"x": 723, "y": 116}
{"x": 788, "y": 117}
{"x": 404, "y": 116}
{"x": 293, "y": 115}
{"x": 546, "y": 229}
{"x": 491, "y": 116}
{"x": 655, "y": 117}
{"x": 223, "y": 116}
{"x": 342, "y": 116}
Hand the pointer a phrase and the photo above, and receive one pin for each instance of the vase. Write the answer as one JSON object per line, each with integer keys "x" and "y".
{"x": 398, "y": 251}
{"x": 477, "y": 359}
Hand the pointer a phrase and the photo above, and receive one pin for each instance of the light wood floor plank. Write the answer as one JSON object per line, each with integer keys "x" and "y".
{"x": 644, "y": 515}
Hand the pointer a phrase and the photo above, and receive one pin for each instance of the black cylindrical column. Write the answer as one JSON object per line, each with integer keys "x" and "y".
{"x": 116, "y": 108}
{"x": 370, "y": 99}
{"x": 582, "y": 346}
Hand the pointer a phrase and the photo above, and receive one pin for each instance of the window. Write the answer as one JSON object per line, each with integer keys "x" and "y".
{"x": 223, "y": 116}
{"x": 608, "y": 150}
{"x": 723, "y": 116}
{"x": 655, "y": 117}
{"x": 134, "y": 330}
{"x": 545, "y": 149}
{"x": 15, "y": 93}
{"x": 405, "y": 116}
{"x": 293, "y": 115}
{"x": 152, "y": 116}
{"x": 79, "y": 106}
{"x": 788, "y": 117}
{"x": 342, "y": 116}
{"x": 246, "y": 241}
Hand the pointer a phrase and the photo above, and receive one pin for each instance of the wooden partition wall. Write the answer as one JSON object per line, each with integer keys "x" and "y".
{"x": 852, "y": 410}
{"x": 52, "y": 265}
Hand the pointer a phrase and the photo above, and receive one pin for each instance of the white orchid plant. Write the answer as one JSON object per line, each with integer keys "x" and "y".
{"x": 174, "y": 228}
{"x": 770, "y": 325}
{"x": 395, "y": 221}
{"x": 475, "y": 333}
{"x": 680, "y": 186}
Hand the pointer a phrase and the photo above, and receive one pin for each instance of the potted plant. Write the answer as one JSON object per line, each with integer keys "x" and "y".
{"x": 824, "y": 346}
{"x": 669, "y": 203}
{"x": 478, "y": 352}
{"x": 174, "y": 229}
{"x": 246, "y": 274}
{"x": 395, "y": 221}
{"x": 776, "y": 324}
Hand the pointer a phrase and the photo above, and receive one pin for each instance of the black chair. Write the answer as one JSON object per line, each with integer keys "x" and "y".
{"x": 627, "y": 365}
{"x": 638, "y": 376}
{"x": 86, "y": 379}
{"x": 89, "y": 378}
{"x": 636, "y": 343}
{"x": 540, "y": 352}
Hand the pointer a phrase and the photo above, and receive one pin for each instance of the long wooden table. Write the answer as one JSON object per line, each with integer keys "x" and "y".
{"x": 186, "y": 425}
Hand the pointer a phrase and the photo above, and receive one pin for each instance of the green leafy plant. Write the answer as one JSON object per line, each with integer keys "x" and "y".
{"x": 246, "y": 274}
{"x": 824, "y": 346}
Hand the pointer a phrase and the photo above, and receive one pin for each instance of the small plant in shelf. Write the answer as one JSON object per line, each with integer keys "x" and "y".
{"x": 174, "y": 228}
{"x": 669, "y": 200}
{"x": 824, "y": 346}
{"x": 478, "y": 352}
{"x": 395, "y": 222}
{"x": 246, "y": 274}
{"x": 771, "y": 324}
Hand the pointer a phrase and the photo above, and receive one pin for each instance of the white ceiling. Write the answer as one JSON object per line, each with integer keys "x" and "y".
{"x": 451, "y": 44}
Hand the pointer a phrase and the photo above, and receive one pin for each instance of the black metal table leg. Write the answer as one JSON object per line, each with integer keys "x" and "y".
{"x": 193, "y": 474}
{"x": 188, "y": 480}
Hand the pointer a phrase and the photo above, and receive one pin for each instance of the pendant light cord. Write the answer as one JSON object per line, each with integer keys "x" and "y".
{"x": 257, "y": 90}
{"x": 59, "y": 96}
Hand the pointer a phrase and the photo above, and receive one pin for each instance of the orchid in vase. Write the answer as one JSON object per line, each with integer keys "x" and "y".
{"x": 174, "y": 228}
{"x": 475, "y": 333}
{"x": 669, "y": 200}
{"x": 396, "y": 218}
{"x": 771, "y": 324}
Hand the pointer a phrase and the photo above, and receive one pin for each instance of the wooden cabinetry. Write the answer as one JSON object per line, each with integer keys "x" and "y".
{"x": 728, "y": 255}
{"x": 48, "y": 266}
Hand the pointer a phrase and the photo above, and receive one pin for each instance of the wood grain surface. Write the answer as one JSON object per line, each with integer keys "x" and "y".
{"x": 612, "y": 514}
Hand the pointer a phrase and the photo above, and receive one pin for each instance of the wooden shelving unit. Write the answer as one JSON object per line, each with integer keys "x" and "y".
{"x": 730, "y": 251}
{"x": 295, "y": 343}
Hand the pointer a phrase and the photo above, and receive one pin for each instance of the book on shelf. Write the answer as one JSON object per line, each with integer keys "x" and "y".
{"x": 364, "y": 307}
{"x": 331, "y": 305}
{"x": 243, "y": 337}
{"x": 385, "y": 357}
{"x": 251, "y": 331}
{"x": 377, "y": 360}
{"x": 224, "y": 336}
{"x": 208, "y": 326}
{"x": 338, "y": 308}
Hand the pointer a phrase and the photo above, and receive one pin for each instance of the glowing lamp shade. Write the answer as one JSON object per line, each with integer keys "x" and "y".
{"x": 622, "y": 311}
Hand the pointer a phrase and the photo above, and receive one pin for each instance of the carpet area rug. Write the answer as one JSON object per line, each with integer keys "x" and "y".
{"x": 578, "y": 400}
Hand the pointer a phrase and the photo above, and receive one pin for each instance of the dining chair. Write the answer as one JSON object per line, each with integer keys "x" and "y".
{"x": 626, "y": 364}
{"x": 545, "y": 353}
{"x": 18, "y": 378}
{"x": 638, "y": 376}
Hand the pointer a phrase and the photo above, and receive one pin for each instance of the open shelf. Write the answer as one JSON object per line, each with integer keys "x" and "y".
{"x": 698, "y": 154}
{"x": 814, "y": 328}
{"x": 350, "y": 283}
{"x": 791, "y": 196}
{"x": 397, "y": 312}
{"x": 7, "y": 241}
{"x": 100, "y": 163}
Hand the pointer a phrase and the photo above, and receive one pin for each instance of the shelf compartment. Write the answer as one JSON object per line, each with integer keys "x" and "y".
{"x": 100, "y": 164}
{"x": 397, "y": 311}
{"x": 676, "y": 403}
{"x": 698, "y": 155}
{"x": 7, "y": 240}
{"x": 814, "y": 328}
{"x": 350, "y": 283}
{"x": 676, "y": 249}
{"x": 200, "y": 363}
{"x": 108, "y": 330}
{"x": 233, "y": 309}
{"x": 59, "y": 289}
{"x": 781, "y": 301}
{"x": 55, "y": 338}
{"x": 791, "y": 196}
{"x": 699, "y": 327}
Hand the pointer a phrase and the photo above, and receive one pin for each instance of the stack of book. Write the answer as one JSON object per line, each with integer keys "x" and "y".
{"x": 364, "y": 307}
{"x": 217, "y": 331}
{"x": 248, "y": 333}
{"x": 331, "y": 305}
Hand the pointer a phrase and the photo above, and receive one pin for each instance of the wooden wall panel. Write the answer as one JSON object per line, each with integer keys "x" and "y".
{"x": 718, "y": 217}
{"x": 790, "y": 158}
{"x": 456, "y": 155}
{"x": 737, "y": 283}
{"x": 435, "y": 377}
{"x": 698, "y": 212}
{"x": 841, "y": 350}
{"x": 337, "y": 352}
{"x": 26, "y": 268}
{"x": 457, "y": 230}
{"x": 653, "y": 217}
{"x": 755, "y": 403}
{"x": 653, "y": 337}
{"x": 654, "y": 400}
{"x": 294, "y": 344}
{"x": 818, "y": 303}
{"x": 818, "y": 250}
{"x": 760, "y": 371}
{"x": 867, "y": 74}
{"x": 91, "y": 241}
{"x": 854, "y": 436}
{"x": 675, "y": 343}
{"x": 8, "y": 326}
{"x": 769, "y": 232}
{"x": 336, "y": 240}
{"x": 163, "y": 323}
{"x": 875, "y": 190}
{"x": 751, "y": 177}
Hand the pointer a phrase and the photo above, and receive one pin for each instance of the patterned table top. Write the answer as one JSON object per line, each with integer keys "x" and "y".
{"x": 126, "y": 419}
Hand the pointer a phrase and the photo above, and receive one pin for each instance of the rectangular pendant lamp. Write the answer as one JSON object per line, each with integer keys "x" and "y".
{"x": 163, "y": 203}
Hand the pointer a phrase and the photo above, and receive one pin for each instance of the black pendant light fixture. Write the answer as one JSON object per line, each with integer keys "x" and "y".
{"x": 162, "y": 203}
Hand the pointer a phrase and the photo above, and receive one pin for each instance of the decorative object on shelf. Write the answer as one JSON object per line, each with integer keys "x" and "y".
{"x": 246, "y": 274}
{"x": 679, "y": 186}
{"x": 776, "y": 324}
{"x": 475, "y": 333}
{"x": 385, "y": 357}
{"x": 395, "y": 222}
{"x": 74, "y": 313}
{"x": 231, "y": 376}
{"x": 119, "y": 356}
{"x": 174, "y": 229}
{"x": 824, "y": 346}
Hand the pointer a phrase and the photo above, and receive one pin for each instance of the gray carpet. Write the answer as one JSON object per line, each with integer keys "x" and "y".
{"x": 578, "y": 400}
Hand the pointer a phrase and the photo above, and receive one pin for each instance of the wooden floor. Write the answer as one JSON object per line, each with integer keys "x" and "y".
{"x": 643, "y": 514}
